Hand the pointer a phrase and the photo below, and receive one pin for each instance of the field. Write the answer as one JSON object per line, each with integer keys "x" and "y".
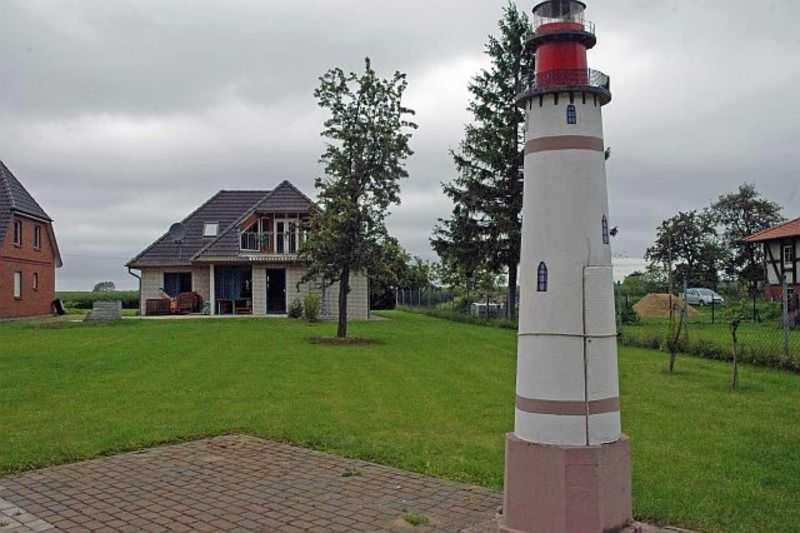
{"x": 432, "y": 396}
{"x": 82, "y": 300}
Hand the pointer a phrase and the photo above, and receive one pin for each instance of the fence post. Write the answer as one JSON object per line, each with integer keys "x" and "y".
{"x": 735, "y": 376}
{"x": 685, "y": 311}
{"x": 785, "y": 317}
{"x": 713, "y": 310}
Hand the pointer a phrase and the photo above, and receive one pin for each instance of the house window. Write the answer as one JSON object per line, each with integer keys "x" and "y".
{"x": 18, "y": 285}
{"x": 177, "y": 282}
{"x": 287, "y": 236}
{"x": 572, "y": 114}
{"x": 18, "y": 232}
{"x": 788, "y": 254}
{"x": 35, "y": 281}
{"x": 606, "y": 240}
{"x": 37, "y": 237}
{"x": 541, "y": 278}
{"x": 210, "y": 229}
{"x": 251, "y": 240}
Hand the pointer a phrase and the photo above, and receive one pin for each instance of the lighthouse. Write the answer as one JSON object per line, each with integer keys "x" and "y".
{"x": 567, "y": 461}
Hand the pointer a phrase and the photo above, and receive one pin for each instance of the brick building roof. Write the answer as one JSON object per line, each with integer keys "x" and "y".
{"x": 15, "y": 198}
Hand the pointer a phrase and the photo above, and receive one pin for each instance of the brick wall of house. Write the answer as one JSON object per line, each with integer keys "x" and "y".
{"x": 28, "y": 261}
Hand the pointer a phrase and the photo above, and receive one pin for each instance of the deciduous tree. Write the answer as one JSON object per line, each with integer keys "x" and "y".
{"x": 368, "y": 137}
{"x": 689, "y": 241}
{"x": 740, "y": 214}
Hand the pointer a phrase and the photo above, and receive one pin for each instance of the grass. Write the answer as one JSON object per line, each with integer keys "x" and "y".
{"x": 416, "y": 519}
{"x": 758, "y": 343}
{"x": 433, "y": 396}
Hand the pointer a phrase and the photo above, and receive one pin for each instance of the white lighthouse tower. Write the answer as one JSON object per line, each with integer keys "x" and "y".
{"x": 567, "y": 461}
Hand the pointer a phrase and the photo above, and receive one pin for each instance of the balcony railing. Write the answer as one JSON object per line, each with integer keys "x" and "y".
{"x": 283, "y": 242}
{"x": 251, "y": 242}
{"x": 580, "y": 79}
{"x": 544, "y": 25}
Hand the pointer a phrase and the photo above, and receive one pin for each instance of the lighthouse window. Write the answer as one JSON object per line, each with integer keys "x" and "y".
{"x": 572, "y": 114}
{"x": 541, "y": 278}
{"x": 605, "y": 230}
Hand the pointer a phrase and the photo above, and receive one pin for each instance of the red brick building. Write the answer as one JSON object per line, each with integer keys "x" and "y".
{"x": 28, "y": 252}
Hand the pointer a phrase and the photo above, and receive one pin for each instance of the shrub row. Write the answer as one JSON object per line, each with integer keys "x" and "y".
{"x": 85, "y": 299}
{"x": 755, "y": 353}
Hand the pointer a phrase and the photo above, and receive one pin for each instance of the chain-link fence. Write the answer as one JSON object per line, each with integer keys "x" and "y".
{"x": 764, "y": 332}
{"x": 444, "y": 302}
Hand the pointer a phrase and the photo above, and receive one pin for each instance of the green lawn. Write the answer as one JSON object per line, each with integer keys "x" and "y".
{"x": 760, "y": 343}
{"x": 434, "y": 396}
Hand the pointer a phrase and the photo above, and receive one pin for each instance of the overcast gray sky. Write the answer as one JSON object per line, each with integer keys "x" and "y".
{"x": 123, "y": 116}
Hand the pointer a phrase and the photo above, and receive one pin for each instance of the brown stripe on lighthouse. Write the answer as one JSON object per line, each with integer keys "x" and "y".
{"x": 567, "y": 408}
{"x": 564, "y": 142}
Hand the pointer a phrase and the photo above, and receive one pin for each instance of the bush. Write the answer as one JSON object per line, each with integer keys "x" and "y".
{"x": 296, "y": 309}
{"x": 311, "y": 306}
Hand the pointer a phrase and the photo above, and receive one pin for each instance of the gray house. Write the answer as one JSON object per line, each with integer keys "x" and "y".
{"x": 239, "y": 253}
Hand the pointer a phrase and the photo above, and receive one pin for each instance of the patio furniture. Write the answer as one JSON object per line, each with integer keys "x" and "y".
{"x": 243, "y": 307}
{"x": 157, "y": 307}
{"x": 187, "y": 303}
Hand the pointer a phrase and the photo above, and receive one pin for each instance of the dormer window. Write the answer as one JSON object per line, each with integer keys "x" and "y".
{"x": 210, "y": 229}
{"x": 18, "y": 232}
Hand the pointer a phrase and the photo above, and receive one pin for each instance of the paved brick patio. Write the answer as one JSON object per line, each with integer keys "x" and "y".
{"x": 239, "y": 483}
{"x": 235, "y": 483}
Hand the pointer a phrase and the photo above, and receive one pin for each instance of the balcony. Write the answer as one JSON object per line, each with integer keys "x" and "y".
{"x": 269, "y": 243}
{"x": 580, "y": 80}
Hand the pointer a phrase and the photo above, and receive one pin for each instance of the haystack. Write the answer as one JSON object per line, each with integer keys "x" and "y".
{"x": 656, "y": 305}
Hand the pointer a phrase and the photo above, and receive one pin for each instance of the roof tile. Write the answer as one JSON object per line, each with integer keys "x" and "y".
{"x": 781, "y": 231}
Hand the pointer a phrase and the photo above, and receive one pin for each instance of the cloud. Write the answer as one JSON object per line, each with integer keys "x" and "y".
{"x": 121, "y": 117}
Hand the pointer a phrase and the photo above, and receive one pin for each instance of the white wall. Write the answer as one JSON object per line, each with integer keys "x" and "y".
{"x": 153, "y": 282}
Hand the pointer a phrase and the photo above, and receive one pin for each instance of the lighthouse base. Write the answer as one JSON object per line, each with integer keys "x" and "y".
{"x": 555, "y": 489}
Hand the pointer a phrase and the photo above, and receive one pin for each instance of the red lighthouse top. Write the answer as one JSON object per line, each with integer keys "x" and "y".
{"x": 560, "y": 38}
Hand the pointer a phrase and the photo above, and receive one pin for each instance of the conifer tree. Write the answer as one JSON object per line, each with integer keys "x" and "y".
{"x": 487, "y": 192}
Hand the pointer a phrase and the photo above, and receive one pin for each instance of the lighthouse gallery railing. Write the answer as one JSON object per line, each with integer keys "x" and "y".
{"x": 569, "y": 79}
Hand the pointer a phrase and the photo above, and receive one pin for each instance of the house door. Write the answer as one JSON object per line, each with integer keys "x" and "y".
{"x": 276, "y": 291}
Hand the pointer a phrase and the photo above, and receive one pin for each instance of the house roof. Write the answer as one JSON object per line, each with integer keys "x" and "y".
{"x": 229, "y": 209}
{"x": 223, "y": 208}
{"x": 285, "y": 197}
{"x": 15, "y": 198}
{"x": 781, "y": 231}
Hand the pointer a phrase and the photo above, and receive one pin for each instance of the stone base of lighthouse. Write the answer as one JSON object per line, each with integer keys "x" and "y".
{"x": 560, "y": 489}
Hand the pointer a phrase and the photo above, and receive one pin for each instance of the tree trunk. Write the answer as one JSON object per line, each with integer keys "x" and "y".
{"x": 344, "y": 288}
{"x": 511, "y": 312}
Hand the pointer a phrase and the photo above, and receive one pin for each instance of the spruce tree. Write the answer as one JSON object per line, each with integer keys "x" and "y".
{"x": 490, "y": 158}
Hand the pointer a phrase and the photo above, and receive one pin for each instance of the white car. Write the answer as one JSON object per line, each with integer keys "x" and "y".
{"x": 703, "y": 297}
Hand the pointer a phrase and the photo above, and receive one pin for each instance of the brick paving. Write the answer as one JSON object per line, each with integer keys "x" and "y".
{"x": 241, "y": 483}
{"x": 235, "y": 483}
